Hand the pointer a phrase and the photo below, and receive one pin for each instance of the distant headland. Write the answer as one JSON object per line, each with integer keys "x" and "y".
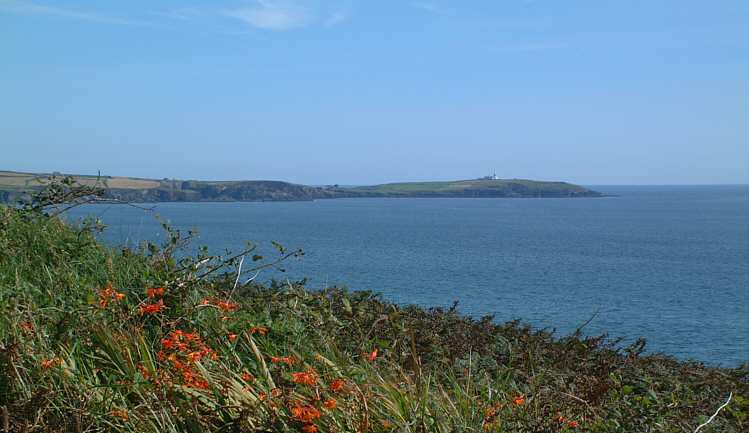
{"x": 15, "y": 186}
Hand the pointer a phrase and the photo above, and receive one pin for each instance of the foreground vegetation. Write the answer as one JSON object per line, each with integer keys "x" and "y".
{"x": 94, "y": 338}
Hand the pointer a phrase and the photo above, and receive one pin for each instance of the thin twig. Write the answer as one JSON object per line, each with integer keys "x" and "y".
{"x": 587, "y": 322}
{"x": 715, "y": 414}
{"x": 252, "y": 278}
{"x": 236, "y": 281}
{"x": 574, "y": 397}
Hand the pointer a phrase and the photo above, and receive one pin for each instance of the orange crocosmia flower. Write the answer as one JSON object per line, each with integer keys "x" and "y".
{"x": 247, "y": 377}
{"x": 309, "y": 428}
{"x": 160, "y": 356}
{"x": 108, "y": 294}
{"x": 337, "y": 385}
{"x": 330, "y": 403}
{"x": 573, "y": 424}
{"x": 194, "y": 356}
{"x": 305, "y": 413}
{"x": 121, "y": 413}
{"x": 27, "y": 326}
{"x": 49, "y": 363}
{"x": 372, "y": 356}
{"x": 152, "y": 308}
{"x": 227, "y": 306}
{"x": 205, "y": 301}
{"x": 155, "y": 292}
{"x": 288, "y": 360}
{"x": 144, "y": 371}
{"x": 308, "y": 378}
{"x": 232, "y": 337}
{"x": 262, "y": 330}
{"x": 192, "y": 381}
{"x": 519, "y": 400}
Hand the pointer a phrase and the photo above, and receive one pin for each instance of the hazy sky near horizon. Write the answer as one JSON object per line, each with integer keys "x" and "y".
{"x": 354, "y": 92}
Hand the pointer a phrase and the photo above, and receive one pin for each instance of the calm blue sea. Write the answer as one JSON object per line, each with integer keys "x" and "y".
{"x": 670, "y": 264}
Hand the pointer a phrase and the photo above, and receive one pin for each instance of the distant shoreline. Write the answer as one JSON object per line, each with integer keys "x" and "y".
{"x": 16, "y": 186}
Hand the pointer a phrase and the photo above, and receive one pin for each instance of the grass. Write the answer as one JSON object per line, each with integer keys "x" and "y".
{"x": 85, "y": 346}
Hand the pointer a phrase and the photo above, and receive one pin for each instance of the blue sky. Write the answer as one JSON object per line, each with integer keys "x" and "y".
{"x": 352, "y": 92}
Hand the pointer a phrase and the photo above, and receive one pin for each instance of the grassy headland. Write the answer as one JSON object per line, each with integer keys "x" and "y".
{"x": 15, "y": 185}
{"x": 94, "y": 338}
{"x": 478, "y": 188}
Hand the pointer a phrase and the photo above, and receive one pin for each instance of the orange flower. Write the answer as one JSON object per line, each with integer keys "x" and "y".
{"x": 205, "y": 301}
{"x": 519, "y": 400}
{"x": 198, "y": 383}
{"x": 330, "y": 403}
{"x": 152, "y": 308}
{"x": 194, "y": 356}
{"x": 262, "y": 330}
{"x": 572, "y": 424}
{"x": 337, "y": 385}
{"x": 121, "y": 413}
{"x": 288, "y": 360}
{"x": 108, "y": 294}
{"x": 232, "y": 337}
{"x": 309, "y": 428}
{"x": 144, "y": 371}
{"x": 305, "y": 413}
{"x": 247, "y": 377}
{"x": 372, "y": 356}
{"x": 227, "y": 306}
{"x": 308, "y": 377}
{"x": 27, "y": 326}
{"x": 49, "y": 363}
{"x": 155, "y": 292}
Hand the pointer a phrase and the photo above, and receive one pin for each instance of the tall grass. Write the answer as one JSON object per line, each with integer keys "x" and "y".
{"x": 85, "y": 346}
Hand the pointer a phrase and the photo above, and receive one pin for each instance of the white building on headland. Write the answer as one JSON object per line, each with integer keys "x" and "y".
{"x": 492, "y": 176}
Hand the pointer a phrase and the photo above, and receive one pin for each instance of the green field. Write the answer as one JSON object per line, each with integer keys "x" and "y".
{"x": 468, "y": 186}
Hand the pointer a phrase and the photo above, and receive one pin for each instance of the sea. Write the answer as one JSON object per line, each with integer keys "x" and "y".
{"x": 666, "y": 263}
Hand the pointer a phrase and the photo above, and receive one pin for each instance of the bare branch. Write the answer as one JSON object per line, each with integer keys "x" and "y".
{"x": 715, "y": 414}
